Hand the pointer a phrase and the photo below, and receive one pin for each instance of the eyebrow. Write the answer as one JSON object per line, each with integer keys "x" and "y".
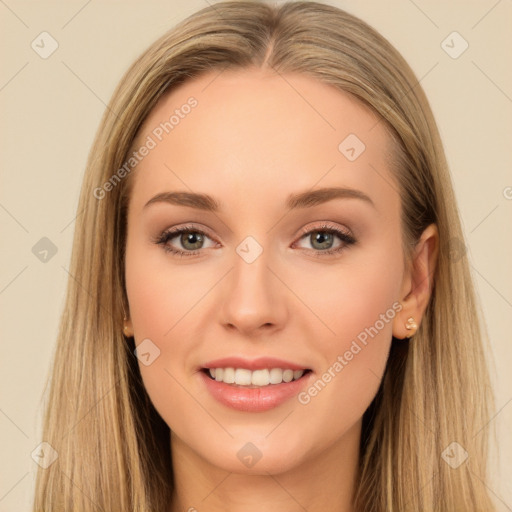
{"x": 305, "y": 199}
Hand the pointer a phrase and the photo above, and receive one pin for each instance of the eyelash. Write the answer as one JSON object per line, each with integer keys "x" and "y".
{"x": 345, "y": 237}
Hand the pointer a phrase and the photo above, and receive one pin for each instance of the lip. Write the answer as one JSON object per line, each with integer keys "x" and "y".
{"x": 261, "y": 363}
{"x": 246, "y": 399}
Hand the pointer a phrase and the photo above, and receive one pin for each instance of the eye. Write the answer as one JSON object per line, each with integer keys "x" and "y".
{"x": 323, "y": 239}
{"x": 189, "y": 238}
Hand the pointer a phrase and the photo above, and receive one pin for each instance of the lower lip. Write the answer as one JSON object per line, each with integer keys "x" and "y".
{"x": 247, "y": 399}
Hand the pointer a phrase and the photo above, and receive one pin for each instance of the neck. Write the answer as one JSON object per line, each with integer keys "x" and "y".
{"x": 322, "y": 481}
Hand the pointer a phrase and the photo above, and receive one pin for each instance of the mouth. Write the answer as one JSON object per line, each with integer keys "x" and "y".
{"x": 256, "y": 390}
{"x": 250, "y": 379}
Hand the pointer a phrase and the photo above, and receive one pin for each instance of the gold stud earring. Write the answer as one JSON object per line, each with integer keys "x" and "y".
{"x": 125, "y": 327}
{"x": 411, "y": 325}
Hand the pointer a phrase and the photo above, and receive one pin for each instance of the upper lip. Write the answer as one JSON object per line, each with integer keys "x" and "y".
{"x": 259, "y": 363}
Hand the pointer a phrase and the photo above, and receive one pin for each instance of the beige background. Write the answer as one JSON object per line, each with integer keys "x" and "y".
{"x": 50, "y": 109}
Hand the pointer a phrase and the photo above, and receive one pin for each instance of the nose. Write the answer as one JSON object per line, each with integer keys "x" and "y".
{"x": 254, "y": 299}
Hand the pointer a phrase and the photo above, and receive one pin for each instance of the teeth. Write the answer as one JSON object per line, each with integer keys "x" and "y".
{"x": 276, "y": 376}
{"x": 242, "y": 377}
{"x": 228, "y": 375}
{"x": 287, "y": 375}
{"x": 260, "y": 378}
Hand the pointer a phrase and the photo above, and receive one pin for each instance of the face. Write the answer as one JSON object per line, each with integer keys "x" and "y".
{"x": 293, "y": 262}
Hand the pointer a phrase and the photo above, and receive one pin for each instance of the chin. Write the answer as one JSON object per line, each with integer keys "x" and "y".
{"x": 256, "y": 456}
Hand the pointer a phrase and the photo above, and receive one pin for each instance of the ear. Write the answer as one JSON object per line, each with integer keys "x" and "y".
{"x": 417, "y": 283}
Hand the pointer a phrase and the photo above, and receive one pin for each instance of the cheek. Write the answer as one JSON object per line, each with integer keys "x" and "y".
{"x": 160, "y": 293}
{"x": 351, "y": 297}
{"x": 165, "y": 302}
{"x": 358, "y": 304}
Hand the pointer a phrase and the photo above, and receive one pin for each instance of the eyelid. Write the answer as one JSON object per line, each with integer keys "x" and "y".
{"x": 176, "y": 230}
{"x": 324, "y": 226}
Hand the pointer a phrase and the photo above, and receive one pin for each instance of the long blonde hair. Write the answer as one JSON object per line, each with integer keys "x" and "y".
{"x": 114, "y": 449}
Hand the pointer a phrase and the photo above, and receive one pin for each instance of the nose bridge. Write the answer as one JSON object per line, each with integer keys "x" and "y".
{"x": 252, "y": 297}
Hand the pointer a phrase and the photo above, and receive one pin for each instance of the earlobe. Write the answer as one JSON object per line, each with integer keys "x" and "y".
{"x": 418, "y": 284}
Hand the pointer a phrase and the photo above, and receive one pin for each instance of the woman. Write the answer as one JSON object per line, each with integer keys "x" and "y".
{"x": 270, "y": 303}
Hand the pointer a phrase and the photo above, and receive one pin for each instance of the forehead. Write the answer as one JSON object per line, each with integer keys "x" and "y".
{"x": 247, "y": 133}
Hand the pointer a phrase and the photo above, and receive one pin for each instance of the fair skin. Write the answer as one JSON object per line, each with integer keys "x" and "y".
{"x": 251, "y": 141}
